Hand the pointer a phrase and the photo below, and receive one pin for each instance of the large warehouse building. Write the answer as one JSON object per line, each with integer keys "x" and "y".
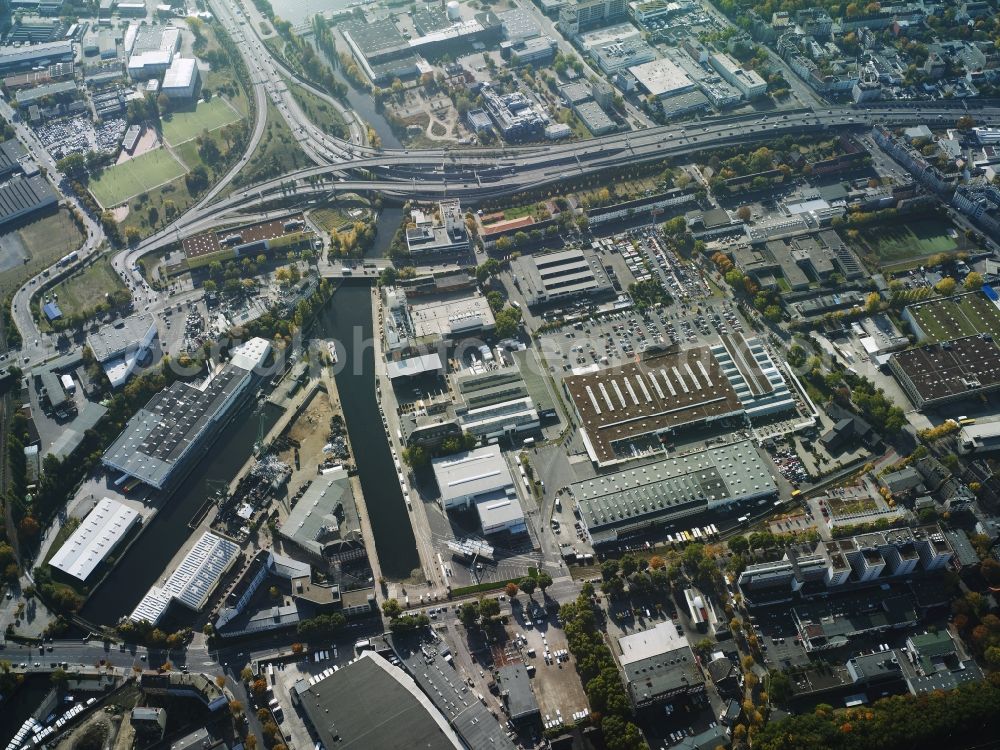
{"x": 612, "y": 506}
{"x": 23, "y": 196}
{"x": 94, "y": 539}
{"x": 351, "y": 707}
{"x": 559, "y": 275}
{"x": 626, "y": 410}
{"x": 193, "y": 581}
{"x": 659, "y": 666}
{"x": 938, "y": 374}
{"x": 178, "y": 423}
{"x": 621, "y": 406}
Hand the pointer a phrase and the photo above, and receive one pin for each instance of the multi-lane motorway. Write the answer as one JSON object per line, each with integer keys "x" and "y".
{"x": 472, "y": 174}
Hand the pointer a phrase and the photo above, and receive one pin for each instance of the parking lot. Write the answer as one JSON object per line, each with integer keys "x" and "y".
{"x": 789, "y": 465}
{"x": 619, "y": 337}
{"x": 78, "y": 135}
{"x": 543, "y": 646}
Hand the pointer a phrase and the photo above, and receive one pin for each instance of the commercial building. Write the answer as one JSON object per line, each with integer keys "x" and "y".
{"x": 662, "y": 78}
{"x": 516, "y": 116}
{"x": 613, "y": 506}
{"x": 516, "y": 693}
{"x": 193, "y": 581}
{"x": 443, "y": 233}
{"x": 23, "y": 196}
{"x": 370, "y": 703}
{"x": 979, "y": 438}
{"x": 149, "y": 723}
{"x": 937, "y": 374}
{"x": 936, "y": 662}
{"x": 415, "y": 321}
{"x": 175, "y": 427}
{"x": 759, "y": 384}
{"x": 412, "y": 367}
{"x": 480, "y": 477}
{"x": 429, "y": 665}
{"x": 62, "y": 90}
{"x": 181, "y": 79}
{"x": 379, "y": 49}
{"x": 579, "y": 15}
{"x": 814, "y": 570}
{"x": 148, "y": 64}
{"x": 11, "y": 154}
{"x": 324, "y": 522}
{"x": 749, "y": 82}
{"x": 635, "y": 406}
{"x": 13, "y": 59}
{"x": 560, "y": 275}
{"x": 94, "y": 539}
{"x": 529, "y": 51}
{"x": 832, "y": 624}
{"x": 620, "y": 56}
{"x": 659, "y": 666}
{"x": 120, "y": 346}
{"x": 495, "y": 403}
{"x": 594, "y": 118}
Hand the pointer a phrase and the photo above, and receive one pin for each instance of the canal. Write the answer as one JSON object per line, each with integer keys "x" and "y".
{"x": 144, "y": 563}
{"x": 348, "y": 320}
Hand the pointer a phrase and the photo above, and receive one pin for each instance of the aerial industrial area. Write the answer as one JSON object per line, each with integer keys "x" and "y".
{"x": 592, "y": 374}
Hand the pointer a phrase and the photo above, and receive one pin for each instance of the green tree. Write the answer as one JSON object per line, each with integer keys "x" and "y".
{"x": 528, "y": 585}
{"x": 945, "y": 286}
{"x": 391, "y": 608}
{"x": 544, "y": 580}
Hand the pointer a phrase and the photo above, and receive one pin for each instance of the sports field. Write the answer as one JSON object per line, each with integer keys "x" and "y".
{"x": 953, "y": 317}
{"x": 130, "y": 178}
{"x": 210, "y": 115}
{"x": 915, "y": 239}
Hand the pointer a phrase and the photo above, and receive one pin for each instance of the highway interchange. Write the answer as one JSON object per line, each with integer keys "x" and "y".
{"x": 471, "y": 174}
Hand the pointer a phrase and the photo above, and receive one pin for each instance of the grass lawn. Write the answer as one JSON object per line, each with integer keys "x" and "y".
{"x": 83, "y": 291}
{"x": 914, "y": 239}
{"x": 180, "y": 127}
{"x": 332, "y": 218}
{"x": 319, "y": 112}
{"x": 954, "y": 317}
{"x": 276, "y": 154}
{"x": 43, "y": 242}
{"x": 123, "y": 181}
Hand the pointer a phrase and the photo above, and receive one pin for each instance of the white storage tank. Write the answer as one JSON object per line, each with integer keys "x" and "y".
{"x": 454, "y": 14}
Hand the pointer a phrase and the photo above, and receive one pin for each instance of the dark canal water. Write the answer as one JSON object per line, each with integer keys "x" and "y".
{"x": 348, "y": 319}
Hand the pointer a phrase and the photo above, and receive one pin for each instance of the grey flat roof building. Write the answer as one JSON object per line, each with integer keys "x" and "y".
{"x": 20, "y": 58}
{"x": 595, "y": 118}
{"x": 22, "y": 196}
{"x": 516, "y": 692}
{"x": 613, "y": 504}
{"x": 371, "y": 704}
{"x": 565, "y": 273}
{"x": 11, "y": 153}
{"x": 112, "y": 340}
{"x": 659, "y": 665}
{"x": 316, "y": 517}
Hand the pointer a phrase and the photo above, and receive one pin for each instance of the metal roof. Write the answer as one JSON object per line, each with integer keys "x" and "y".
{"x": 194, "y": 579}
{"x": 94, "y": 539}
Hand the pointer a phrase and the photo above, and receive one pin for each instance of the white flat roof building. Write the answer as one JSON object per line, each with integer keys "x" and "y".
{"x": 94, "y": 539}
{"x": 662, "y": 78}
{"x": 194, "y": 579}
{"x": 181, "y": 78}
{"x": 463, "y": 477}
{"x": 148, "y": 64}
